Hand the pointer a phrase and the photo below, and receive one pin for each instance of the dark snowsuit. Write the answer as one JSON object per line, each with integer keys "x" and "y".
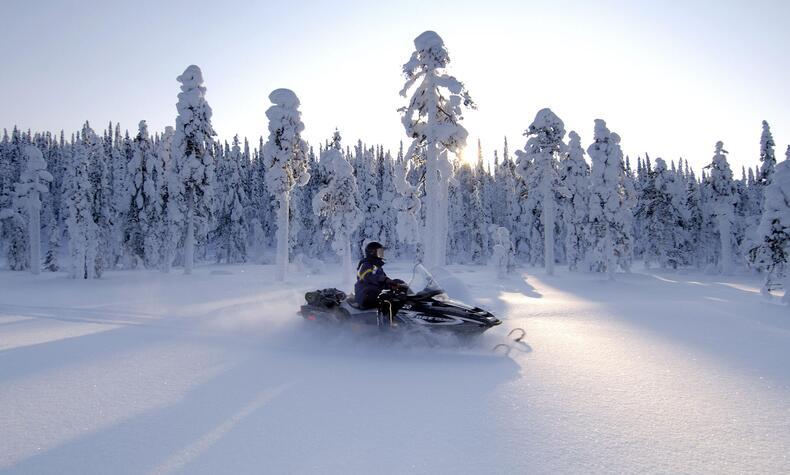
{"x": 371, "y": 280}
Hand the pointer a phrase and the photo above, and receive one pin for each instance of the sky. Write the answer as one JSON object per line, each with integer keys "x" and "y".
{"x": 670, "y": 77}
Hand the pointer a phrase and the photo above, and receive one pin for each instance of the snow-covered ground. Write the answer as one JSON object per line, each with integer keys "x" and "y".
{"x": 214, "y": 373}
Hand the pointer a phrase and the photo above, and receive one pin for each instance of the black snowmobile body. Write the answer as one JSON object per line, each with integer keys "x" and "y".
{"x": 428, "y": 309}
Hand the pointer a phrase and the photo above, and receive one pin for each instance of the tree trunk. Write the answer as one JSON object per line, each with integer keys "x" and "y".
{"x": 430, "y": 230}
{"x": 189, "y": 240}
{"x": 282, "y": 238}
{"x": 610, "y": 258}
{"x": 548, "y": 227}
{"x": 34, "y": 230}
{"x": 726, "y": 246}
{"x": 167, "y": 247}
{"x": 347, "y": 267}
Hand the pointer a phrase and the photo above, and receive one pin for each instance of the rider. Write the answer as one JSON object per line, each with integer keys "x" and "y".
{"x": 371, "y": 279}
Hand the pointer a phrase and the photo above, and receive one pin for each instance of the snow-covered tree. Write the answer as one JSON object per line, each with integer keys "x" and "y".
{"x": 408, "y": 205}
{"x": 365, "y": 167}
{"x": 172, "y": 188}
{"x": 337, "y": 203}
{"x": 502, "y": 258}
{"x": 191, "y": 149}
{"x": 27, "y": 203}
{"x": 575, "y": 178}
{"x": 80, "y": 223}
{"x": 767, "y": 155}
{"x": 468, "y": 233}
{"x": 259, "y": 211}
{"x": 663, "y": 227}
{"x": 141, "y": 219}
{"x": 56, "y": 204}
{"x": 92, "y": 150}
{"x": 389, "y": 193}
{"x": 723, "y": 197}
{"x": 432, "y": 120}
{"x": 610, "y": 204}
{"x": 231, "y": 225}
{"x": 695, "y": 220}
{"x": 120, "y": 154}
{"x": 506, "y": 182}
{"x": 484, "y": 188}
{"x": 285, "y": 159}
{"x": 774, "y": 232}
{"x": 12, "y": 229}
{"x": 537, "y": 164}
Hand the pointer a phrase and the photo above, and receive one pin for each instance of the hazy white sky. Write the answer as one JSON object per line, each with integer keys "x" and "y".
{"x": 671, "y": 77}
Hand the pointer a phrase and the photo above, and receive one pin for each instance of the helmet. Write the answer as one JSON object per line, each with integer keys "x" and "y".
{"x": 374, "y": 249}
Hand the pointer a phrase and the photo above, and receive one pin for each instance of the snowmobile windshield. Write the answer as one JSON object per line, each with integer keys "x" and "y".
{"x": 422, "y": 282}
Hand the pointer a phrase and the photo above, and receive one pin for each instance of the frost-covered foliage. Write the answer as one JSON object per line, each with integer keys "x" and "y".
{"x": 468, "y": 234}
{"x": 81, "y": 223}
{"x": 144, "y": 216}
{"x": 194, "y": 164}
{"x": 157, "y": 199}
{"x": 575, "y": 178}
{"x": 171, "y": 189}
{"x": 611, "y": 200}
{"x": 26, "y": 207}
{"x": 767, "y": 155}
{"x": 771, "y": 254}
{"x": 502, "y": 258}
{"x": 231, "y": 201}
{"x": 537, "y": 165}
{"x": 408, "y": 205}
{"x": 338, "y": 202}
{"x": 284, "y": 156}
{"x": 661, "y": 218}
{"x": 723, "y": 197}
{"x": 368, "y": 181}
{"x": 432, "y": 120}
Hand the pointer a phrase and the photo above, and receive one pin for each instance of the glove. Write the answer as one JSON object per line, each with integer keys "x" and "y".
{"x": 398, "y": 284}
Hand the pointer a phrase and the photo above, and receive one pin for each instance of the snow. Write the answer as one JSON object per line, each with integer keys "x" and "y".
{"x": 191, "y": 78}
{"x": 285, "y": 98}
{"x": 427, "y": 40}
{"x": 214, "y": 373}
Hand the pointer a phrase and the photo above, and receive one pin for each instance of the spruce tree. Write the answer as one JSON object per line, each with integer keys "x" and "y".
{"x": 610, "y": 204}
{"x": 723, "y": 197}
{"x": 432, "y": 119}
{"x": 285, "y": 156}
{"x": 191, "y": 149}
{"x": 575, "y": 178}
{"x": 537, "y": 165}
{"x": 26, "y": 205}
{"x": 338, "y": 204}
{"x": 663, "y": 226}
{"x": 772, "y": 252}
{"x": 81, "y": 226}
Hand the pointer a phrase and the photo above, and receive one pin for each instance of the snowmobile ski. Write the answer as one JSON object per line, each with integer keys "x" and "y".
{"x": 520, "y": 334}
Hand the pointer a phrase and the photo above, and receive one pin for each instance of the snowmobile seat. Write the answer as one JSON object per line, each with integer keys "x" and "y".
{"x": 353, "y": 307}
{"x": 352, "y": 301}
{"x": 367, "y": 316}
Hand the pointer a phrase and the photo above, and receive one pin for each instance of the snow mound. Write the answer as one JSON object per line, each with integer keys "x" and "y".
{"x": 601, "y": 130}
{"x": 191, "y": 77}
{"x": 427, "y": 40}
{"x": 546, "y": 118}
{"x": 35, "y": 158}
{"x": 284, "y": 97}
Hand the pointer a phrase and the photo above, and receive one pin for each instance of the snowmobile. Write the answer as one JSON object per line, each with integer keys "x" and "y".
{"x": 400, "y": 308}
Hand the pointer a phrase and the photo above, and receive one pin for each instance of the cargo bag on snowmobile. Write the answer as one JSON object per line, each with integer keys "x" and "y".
{"x": 326, "y": 298}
